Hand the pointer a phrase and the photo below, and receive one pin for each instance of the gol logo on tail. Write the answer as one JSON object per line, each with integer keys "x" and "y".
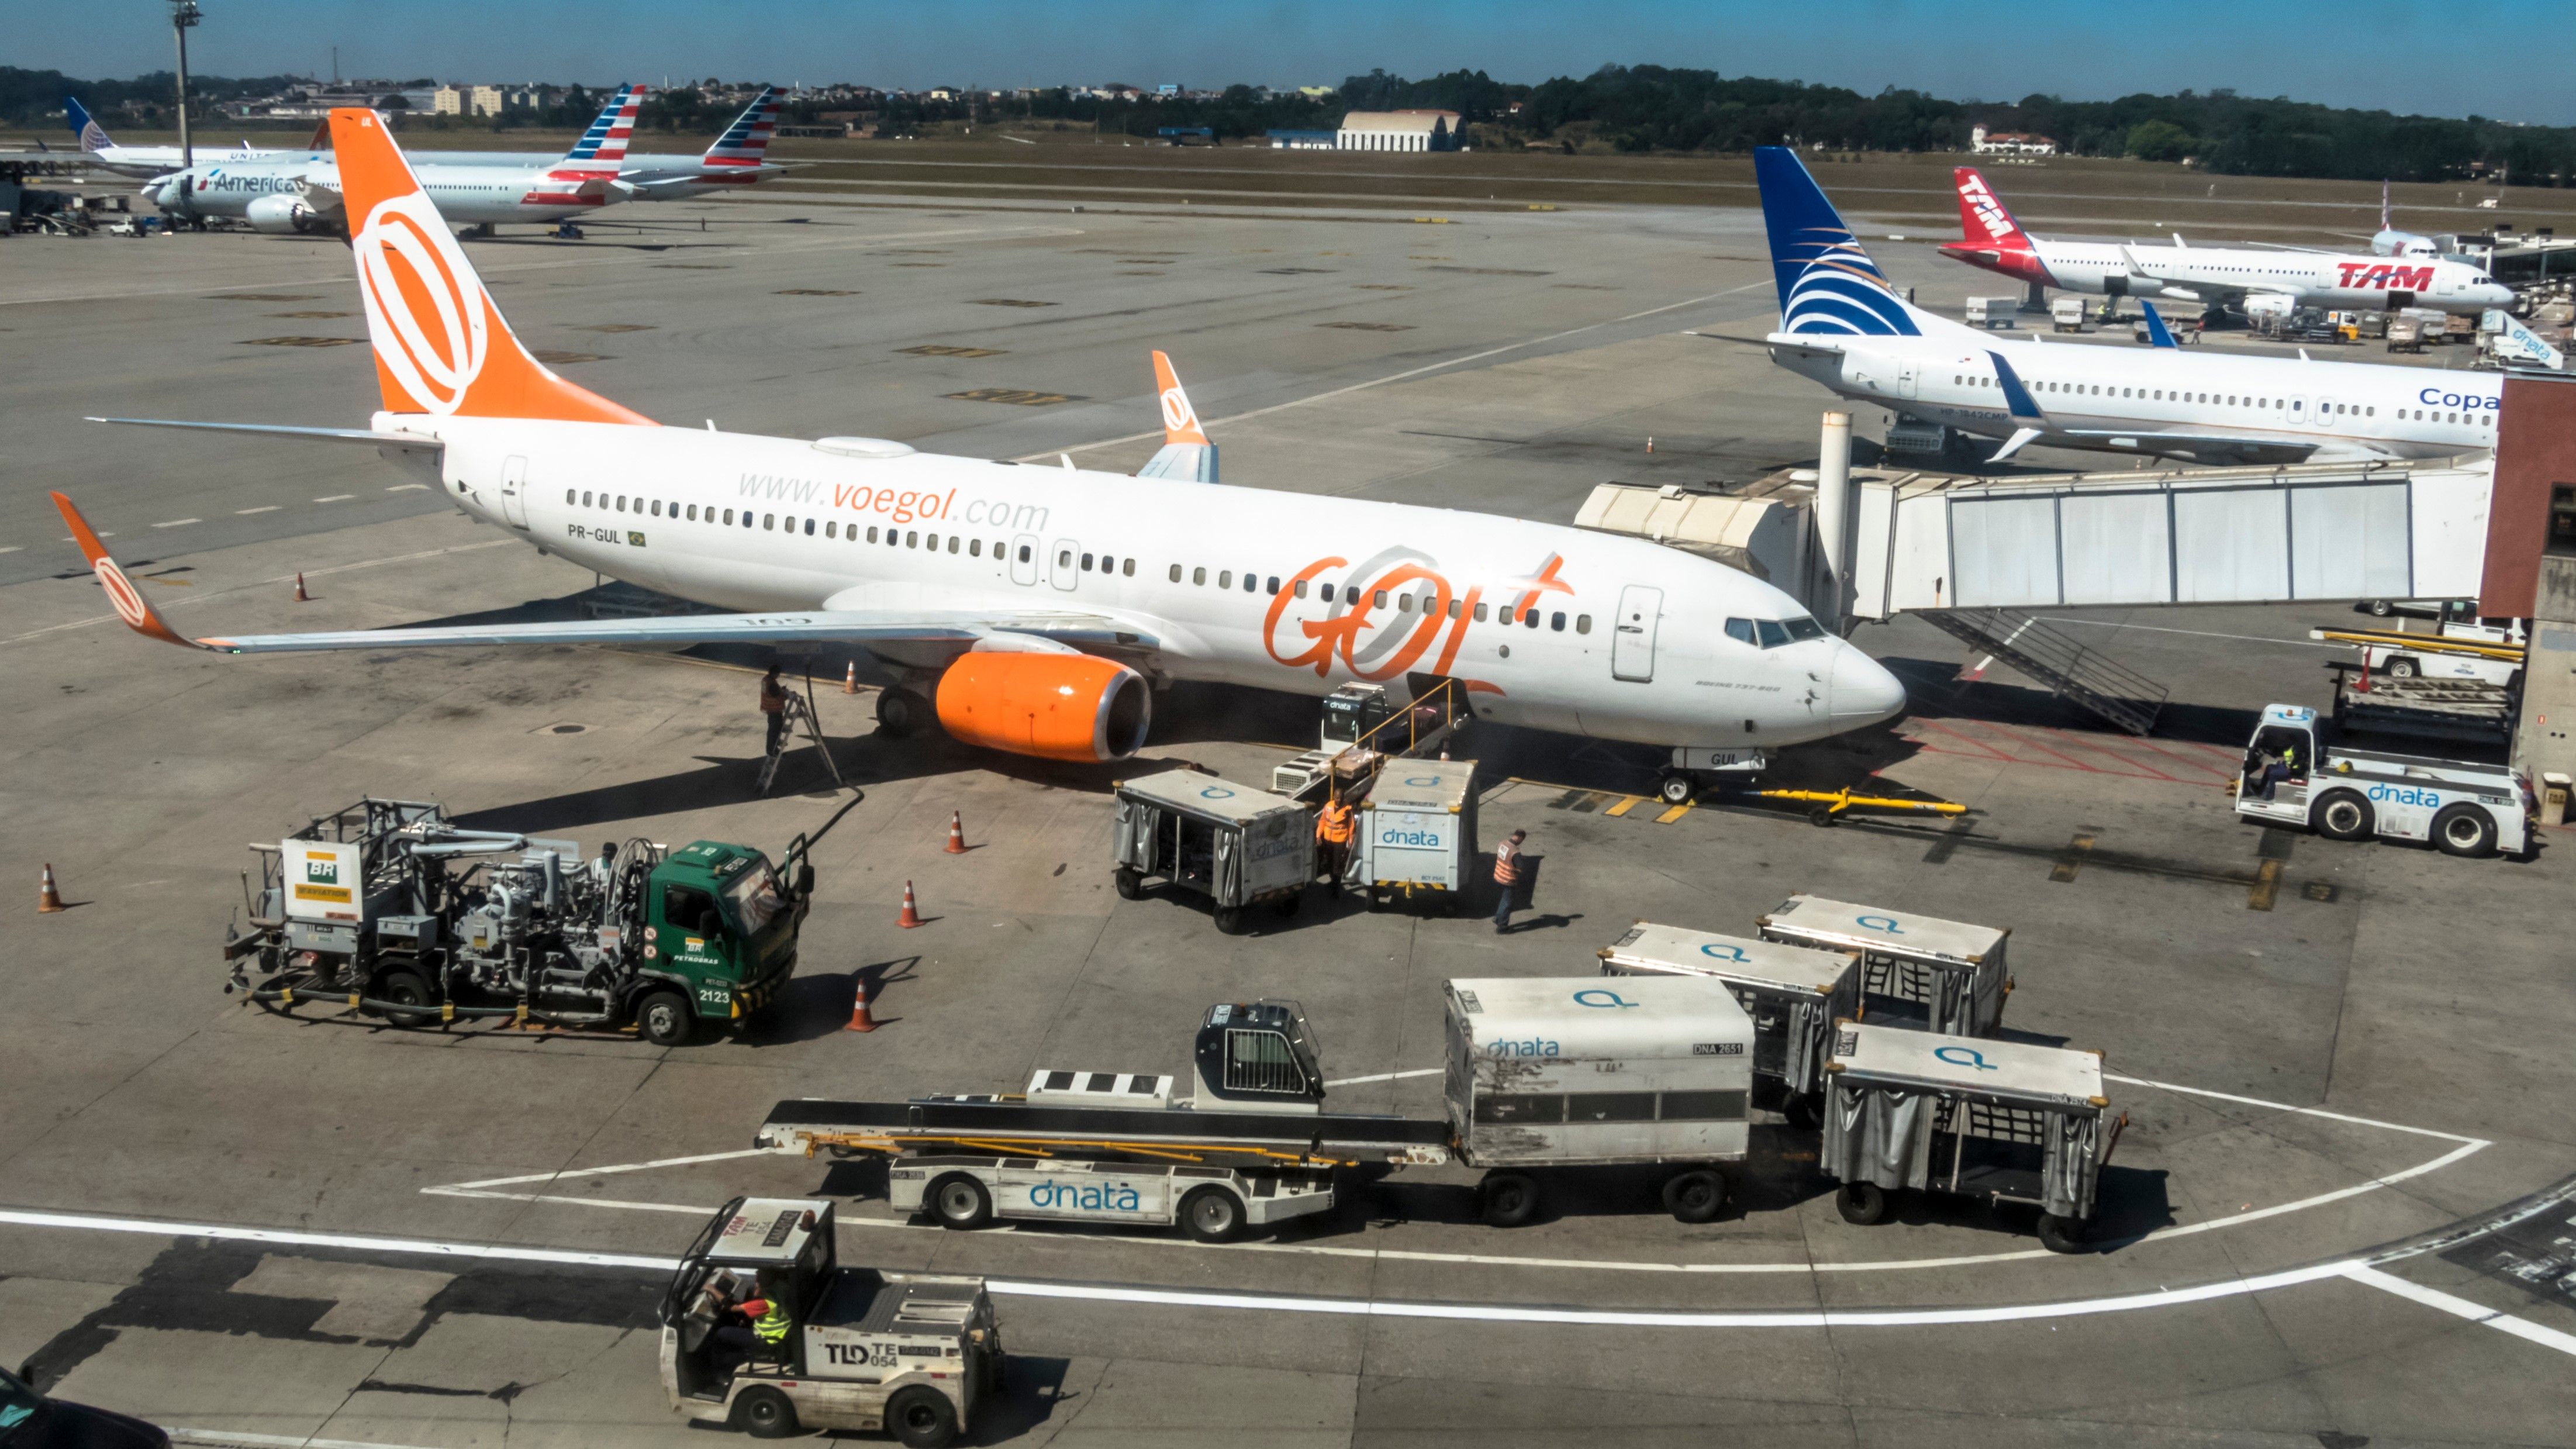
{"x": 1176, "y": 411}
{"x": 425, "y": 307}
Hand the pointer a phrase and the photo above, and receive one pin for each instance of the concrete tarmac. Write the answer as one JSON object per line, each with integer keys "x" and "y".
{"x": 2337, "y": 1215}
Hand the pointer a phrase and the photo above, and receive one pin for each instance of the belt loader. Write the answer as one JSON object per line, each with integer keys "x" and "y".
{"x": 1543, "y": 1076}
{"x": 389, "y": 907}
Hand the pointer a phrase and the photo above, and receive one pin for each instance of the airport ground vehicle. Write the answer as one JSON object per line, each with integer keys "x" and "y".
{"x": 33, "y": 1420}
{"x": 1994, "y": 313}
{"x": 389, "y": 906}
{"x": 1417, "y": 832}
{"x": 2425, "y": 706}
{"x": 1543, "y": 1076}
{"x": 1794, "y": 994}
{"x": 2348, "y": 794}
{"x": 1238, "y": 845}
{"x": 1976, "y": 1117}
{"x": 913, "y": 1354}
{"x": 1950, "y": 974}
{"x": 2464, "y": 647}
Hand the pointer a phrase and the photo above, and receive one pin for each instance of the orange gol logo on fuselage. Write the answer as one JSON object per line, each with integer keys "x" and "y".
{"x": 1369, "y": 629}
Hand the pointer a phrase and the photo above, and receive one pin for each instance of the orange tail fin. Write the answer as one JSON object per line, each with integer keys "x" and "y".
{"x": 1180, "y": 420}
{"x": 441, "y": 346}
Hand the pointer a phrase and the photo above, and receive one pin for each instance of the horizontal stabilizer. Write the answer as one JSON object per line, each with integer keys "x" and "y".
{"x": 279, "y": 430}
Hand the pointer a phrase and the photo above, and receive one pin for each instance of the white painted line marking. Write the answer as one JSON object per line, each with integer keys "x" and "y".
{"x": 2195, "y": 633}
{"x": 408, "y": 487}
{"x": 263, "y": 508}
{"x": 2521, "y": 1328}
{"x": 1385, "y": 1077}
{"x": 282, "y": 1441}
{"x": 336, "y": 498}
{"x": 610, "y": 1171}
{"x": 354, "y": 1241}
{"x": 178, "y": 523}
{"x": 12, "y": 548}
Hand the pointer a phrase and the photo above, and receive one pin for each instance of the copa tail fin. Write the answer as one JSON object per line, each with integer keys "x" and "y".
{"x": 441, "y": 346}
{"x": 1186, "y": 452}
{"x": 1827, "y": 283}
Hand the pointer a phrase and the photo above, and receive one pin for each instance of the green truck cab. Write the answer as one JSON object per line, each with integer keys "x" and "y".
{"x": 723, "y": 927}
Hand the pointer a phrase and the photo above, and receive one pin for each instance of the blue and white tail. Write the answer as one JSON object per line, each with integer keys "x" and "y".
{"x": 1828, "y": 285}
{"x": 605, "y": 141}
{"x": 93, "y": 136}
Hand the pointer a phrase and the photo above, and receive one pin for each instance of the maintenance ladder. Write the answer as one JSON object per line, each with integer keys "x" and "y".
{"x": 2071, "y": 670}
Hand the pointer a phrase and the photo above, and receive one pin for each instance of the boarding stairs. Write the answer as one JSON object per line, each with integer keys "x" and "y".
{"x": 1417, "y": 730}
{"x": 2071, "y": 670}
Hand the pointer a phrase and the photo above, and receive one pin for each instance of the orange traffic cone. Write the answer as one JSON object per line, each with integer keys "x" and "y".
{"x": 301, "y": 597}
{"x": 48, "y": 899}
{"x": 956, "y": 833}
{"x": 911, "y": 916}
{"x": 1650, "y": 445}
{"x": 850, "y": 681}
{"x": 860, "y": 1020}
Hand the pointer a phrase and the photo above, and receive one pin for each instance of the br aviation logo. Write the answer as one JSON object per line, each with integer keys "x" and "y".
{"x": 425, "y": 307}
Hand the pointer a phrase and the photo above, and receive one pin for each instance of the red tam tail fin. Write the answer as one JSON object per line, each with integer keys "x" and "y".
{"x": 1982, "y": 217}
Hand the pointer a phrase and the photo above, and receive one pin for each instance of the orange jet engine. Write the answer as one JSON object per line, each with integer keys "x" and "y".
{"x": 1054, "y": 706}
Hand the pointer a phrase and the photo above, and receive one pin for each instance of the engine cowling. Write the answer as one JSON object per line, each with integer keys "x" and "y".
{"x": 1053, "y": 706}
{"x": 278, "y": 214}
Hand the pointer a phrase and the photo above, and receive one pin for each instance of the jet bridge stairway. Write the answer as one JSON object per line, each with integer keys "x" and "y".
{"x": 2071, "y": 671}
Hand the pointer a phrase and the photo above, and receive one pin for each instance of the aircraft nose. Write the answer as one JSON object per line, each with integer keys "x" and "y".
{"x": 1863, "y": 691}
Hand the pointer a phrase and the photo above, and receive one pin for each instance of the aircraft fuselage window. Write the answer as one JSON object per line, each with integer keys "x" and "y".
{"x": 1176, "y": 573}
{"x": 1583, "y": 623}
{"x": 1024, "y": 553}
{"x": 1127, "y": 567}
{"x": 1198, "y": 576}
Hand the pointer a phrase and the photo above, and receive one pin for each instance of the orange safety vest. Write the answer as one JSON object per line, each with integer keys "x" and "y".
{"x": 1335, "y": 824}
{"x": 1507, "y": 868}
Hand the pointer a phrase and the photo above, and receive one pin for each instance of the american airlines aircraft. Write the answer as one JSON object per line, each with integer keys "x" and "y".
{"x": 1842, "y": 325}
{"x": 2214, "y": 277}
{"x": 737, "y": 158}
{"x": 1033, "y": 610}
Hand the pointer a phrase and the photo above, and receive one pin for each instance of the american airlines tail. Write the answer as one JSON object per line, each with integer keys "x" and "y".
{"x": 745, "y": 142}
{"x": 602, "y": 148}
{"x": 441, "y": 346}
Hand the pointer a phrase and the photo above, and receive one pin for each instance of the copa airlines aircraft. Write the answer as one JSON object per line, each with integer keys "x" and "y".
{"x": 1842, "y": 325}
{"x": 2211, "y": 276}
{"x": 1027, "y": 609}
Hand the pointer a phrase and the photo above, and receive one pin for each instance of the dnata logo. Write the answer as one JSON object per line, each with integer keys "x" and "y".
{"x": 2383, "y": 277}
{"x": 2434, "y": 397}
{"x": 425, "y": 307}
{"x": 1537, "y": 1046}
{"x": 2404, "y": 795}
{"x": 1398, "y": 835}
{"x": 321, "y": 870}
{"x": 1989, "y": 212}
{"x": 1176, "y": 411}
{"x": 1111, "y": 1197}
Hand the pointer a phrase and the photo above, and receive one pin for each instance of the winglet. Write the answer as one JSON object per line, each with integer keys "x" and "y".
{"x": 131, "y": 606}
{"x": 2157, "y": 332}
{"x": 2016, "y": 396}
{"x": 1180, "y": 421}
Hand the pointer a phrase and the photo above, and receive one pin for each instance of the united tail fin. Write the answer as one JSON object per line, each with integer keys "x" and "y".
{"x": 1982, "y": 216}
{"x": 1186, "y": 453}
{"x": 1827, "y": 283}
{"x": 93, "y": 136}
{"x": 746, "y": 141}
{"x": 441, "y": 345}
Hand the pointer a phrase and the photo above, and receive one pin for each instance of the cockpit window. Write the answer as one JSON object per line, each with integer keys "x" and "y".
{"x": 1803, "y": 627}
{"x": 1740, "y": 630}
{"x": 1772, "y": 633}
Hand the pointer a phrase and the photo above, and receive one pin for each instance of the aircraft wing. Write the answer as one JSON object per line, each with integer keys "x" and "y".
{"x": 2211, "y": 446}
{"x": 1038, "y": 628}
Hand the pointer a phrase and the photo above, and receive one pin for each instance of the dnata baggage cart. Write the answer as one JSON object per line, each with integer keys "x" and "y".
{"x": 1794, "y": 994}
{"x": 1548, "y": 1074}
{"x": 1948, "y": 972}
{"x": 1968, "y": 1115}
{"x": 1417, "y": 830}
{"x": 1993, "y": 312}
{"x": 913, "y": 1354}
{"x": 1238, "y": 845}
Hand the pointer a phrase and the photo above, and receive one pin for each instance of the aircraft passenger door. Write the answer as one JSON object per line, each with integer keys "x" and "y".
{"x": 1064, "y": 565}
{"x": 1907, "y": 377}
{"x": 1632, "y": 644}
{"x": 1024, "y": 559}
{"x": 2294, "y": 410}
{"x": 514, "y": 487}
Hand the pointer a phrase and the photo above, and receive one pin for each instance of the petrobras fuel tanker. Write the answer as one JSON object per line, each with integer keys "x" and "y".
{"x": 1589, "y": 1069}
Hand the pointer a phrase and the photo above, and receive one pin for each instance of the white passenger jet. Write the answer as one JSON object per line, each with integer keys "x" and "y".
{"x": 2215, "y": 277}
{"x": 1026, "y": 609}
{"x": 737, "y": 158}
{"x": 1842, "y": 325}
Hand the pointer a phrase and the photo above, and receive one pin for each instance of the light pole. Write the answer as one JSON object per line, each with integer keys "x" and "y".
{"x": 183, "y": 16}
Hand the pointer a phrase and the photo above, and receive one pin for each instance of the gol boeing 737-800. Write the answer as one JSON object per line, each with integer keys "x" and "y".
{"x": 1842, "y": 325}
{"x": 1031, "y": 610}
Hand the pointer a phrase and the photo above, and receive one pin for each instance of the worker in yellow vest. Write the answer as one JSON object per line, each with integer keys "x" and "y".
{"x": 770, "y": 1323}
{"x": 1507, "y": 879}
{"x": 1333, "y": 831}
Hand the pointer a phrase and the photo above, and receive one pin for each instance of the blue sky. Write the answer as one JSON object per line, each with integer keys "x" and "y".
{"x": 2443, "y": 59}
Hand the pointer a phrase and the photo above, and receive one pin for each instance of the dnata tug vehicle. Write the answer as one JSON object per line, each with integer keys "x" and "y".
{"x": 390, "y": 908}
{"x": 1842, "y": 326}
{"x": 1542, "y": 1077}
{"x": 1032, "y": 610}
{"x": 2294, "y": 776}
{"x": 300, "y": 192}
{"x": 912, "y": 1354}
{"x": 2214, "y": 277}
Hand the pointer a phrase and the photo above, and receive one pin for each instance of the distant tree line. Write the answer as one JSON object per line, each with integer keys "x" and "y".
{"x": 1646, "y": 108}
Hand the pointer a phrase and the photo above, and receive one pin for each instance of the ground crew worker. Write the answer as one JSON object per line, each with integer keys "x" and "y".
{"x": 773, "y": 703}
{"x": 2277, "y": 769}
{"x": 1507, "y": 879}
{"x": 768, "y": 1319}
{"x": 1333, "y": 830}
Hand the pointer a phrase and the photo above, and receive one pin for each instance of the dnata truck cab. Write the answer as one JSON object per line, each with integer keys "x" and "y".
{"x": 2294, "y": 776}
{"x": 912, "y": 1354}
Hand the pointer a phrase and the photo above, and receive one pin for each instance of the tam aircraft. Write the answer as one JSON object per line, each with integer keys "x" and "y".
{"x": 1843, "y": 326}
{"x": 1035, "y": 610}
{"x": 2214, "y": 277}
